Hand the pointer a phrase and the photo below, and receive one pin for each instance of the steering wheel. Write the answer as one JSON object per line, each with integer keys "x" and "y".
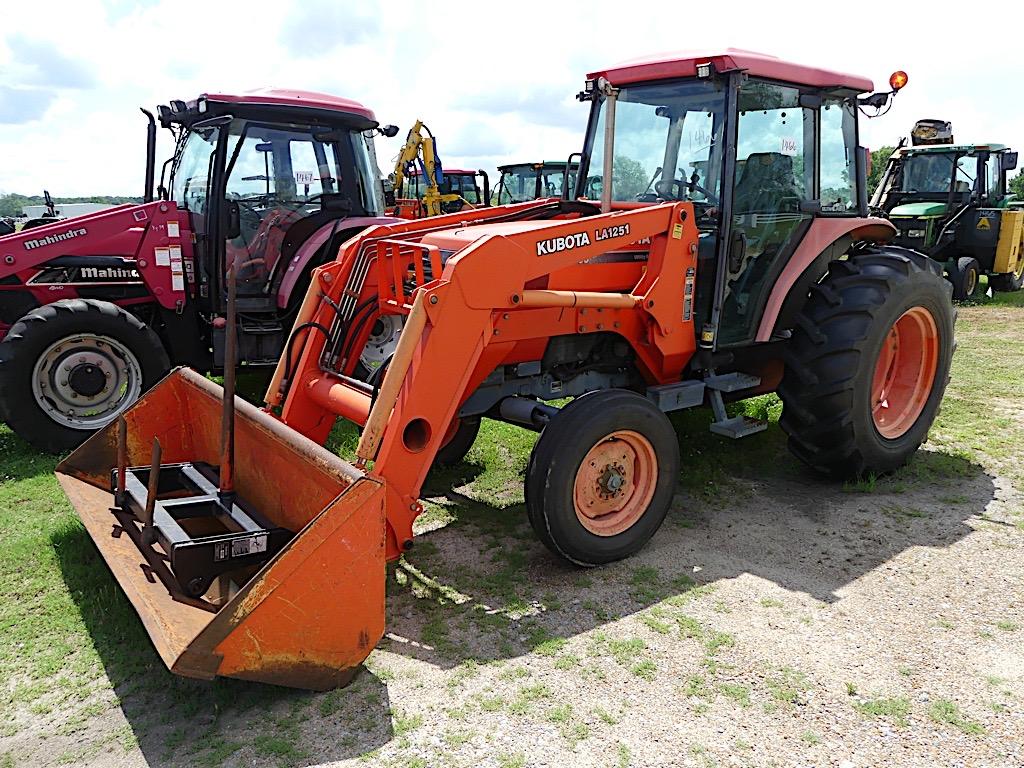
{"x": 686, "y": 188}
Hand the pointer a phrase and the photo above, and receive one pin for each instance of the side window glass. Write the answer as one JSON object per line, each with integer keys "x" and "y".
{"x": 966, "y": 172}
{"x": 994, "y": 191}
{"x": 838, "y": 150}
{"x": 252, "y": 175}
{"x": 774, "y": 161}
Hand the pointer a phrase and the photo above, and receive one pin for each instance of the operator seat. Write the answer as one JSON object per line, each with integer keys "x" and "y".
{"x": 767, "y": 185}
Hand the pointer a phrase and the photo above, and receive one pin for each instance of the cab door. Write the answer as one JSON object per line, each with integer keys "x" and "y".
{"x": 773, "y": 199}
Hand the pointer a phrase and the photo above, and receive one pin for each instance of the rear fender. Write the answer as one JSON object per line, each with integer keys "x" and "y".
{"x": 308, "y": 250}
{"x": 826, "y": 239}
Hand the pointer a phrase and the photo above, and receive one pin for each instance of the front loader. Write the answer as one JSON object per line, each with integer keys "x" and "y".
{"x": 252, "y": 552}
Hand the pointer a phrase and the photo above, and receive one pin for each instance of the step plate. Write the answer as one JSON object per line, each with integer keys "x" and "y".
{"x": 731, "y": 382}
{"x": 739, "y": 426}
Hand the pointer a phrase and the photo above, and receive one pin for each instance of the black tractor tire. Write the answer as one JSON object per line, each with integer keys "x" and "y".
{"x": 1009, "y": 282}
{"x": 584, "y": 425}
{"x": 831, "y": 359}
{"x": 966, "y": 279}
{"x": 33, "y": 335}
{"x": 455, "y": 450}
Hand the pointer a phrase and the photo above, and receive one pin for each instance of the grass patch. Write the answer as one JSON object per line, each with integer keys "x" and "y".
{"x": 897, "y": 709}
{"x": 948, "y": 713}
{"x": 737, "y": 692}
{"x": 786, "y": 685}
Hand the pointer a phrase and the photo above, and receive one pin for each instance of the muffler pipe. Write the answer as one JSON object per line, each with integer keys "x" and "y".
{"x": 526, "y": 412}
{"x": 147, "y": 197}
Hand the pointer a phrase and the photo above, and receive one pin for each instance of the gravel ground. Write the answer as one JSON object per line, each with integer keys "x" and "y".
{"x": 792, "y": 624}
{"x": 775, "y": 620}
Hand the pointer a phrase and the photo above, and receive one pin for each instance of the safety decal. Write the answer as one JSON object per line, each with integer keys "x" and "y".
{"x": 162, "y": 257}
{"x": 173, "y": 229}
{"x": 984, "y": 223}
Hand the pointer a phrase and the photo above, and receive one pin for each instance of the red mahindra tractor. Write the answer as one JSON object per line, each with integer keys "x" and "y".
{"x": 95, "y": 309}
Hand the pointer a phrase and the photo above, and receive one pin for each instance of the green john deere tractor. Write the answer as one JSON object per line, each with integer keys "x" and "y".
{"x": 950, "y": 201}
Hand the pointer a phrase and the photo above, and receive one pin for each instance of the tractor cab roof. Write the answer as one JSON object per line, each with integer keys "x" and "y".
{"x": 554, "y": 164}
{"x": 667, "y": 66}
{"x": 448, "y": 172}
{"x": 933, "y": 149}
{"x": 273, "y": 104}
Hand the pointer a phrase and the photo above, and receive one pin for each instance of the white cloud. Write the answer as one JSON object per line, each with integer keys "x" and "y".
{"x": 494, "y": 82}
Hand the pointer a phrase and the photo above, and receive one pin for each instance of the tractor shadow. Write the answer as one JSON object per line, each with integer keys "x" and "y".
{"x": 20, "y": 461}
{"x": 483, "y": 588}
{"x": 182, "y": 722}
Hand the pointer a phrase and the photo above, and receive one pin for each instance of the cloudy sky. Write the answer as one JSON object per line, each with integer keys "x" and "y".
{"x": 494, "y": 82}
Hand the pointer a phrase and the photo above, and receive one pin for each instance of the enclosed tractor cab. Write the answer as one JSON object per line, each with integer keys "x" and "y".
{"x": 95, "y": 309}
{"x": 463, "y": 189}
{"x": 950, "y": 201}
{"x": 750, "y": 265}
{"x": 520, "y": 182}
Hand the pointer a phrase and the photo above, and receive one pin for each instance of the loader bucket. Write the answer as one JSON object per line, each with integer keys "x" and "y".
{"x": 309, "y": 615}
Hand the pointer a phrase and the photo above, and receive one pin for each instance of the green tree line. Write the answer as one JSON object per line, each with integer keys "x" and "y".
{"x": 11, "y": 204}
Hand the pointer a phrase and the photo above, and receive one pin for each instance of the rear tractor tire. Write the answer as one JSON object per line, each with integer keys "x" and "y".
{"x": 868, "y": 363}
{"x": 71, "y": 367}
{"x": 966, "y": 279}
{"x": 1009, "y": 282}
{"x": 601, "y": 477}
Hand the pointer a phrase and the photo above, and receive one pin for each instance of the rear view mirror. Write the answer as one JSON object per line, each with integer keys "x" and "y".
{"x": 1008, "y": 161}
{"x": 390, "y": 131}
{"x": 265, "y": 147}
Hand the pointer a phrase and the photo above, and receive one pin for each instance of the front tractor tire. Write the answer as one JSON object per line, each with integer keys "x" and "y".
{"x": 71, "y": 367}
{"x": 601, "y": 477}
{"x": 966, "y": 279}
{"x": 868, "y": 363}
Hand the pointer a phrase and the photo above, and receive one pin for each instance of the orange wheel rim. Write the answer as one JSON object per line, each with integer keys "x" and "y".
{"x": 615, "y": 483}
{"x": 905, "y": 372}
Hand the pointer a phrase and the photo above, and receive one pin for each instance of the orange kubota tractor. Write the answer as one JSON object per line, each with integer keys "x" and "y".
{"x": 730, "y": 254}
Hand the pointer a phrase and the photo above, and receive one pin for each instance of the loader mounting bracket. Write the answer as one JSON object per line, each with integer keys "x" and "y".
{"x": 203, "y": 533}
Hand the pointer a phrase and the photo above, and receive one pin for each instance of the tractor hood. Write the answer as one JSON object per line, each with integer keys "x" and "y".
{"x": 918, "y": 210}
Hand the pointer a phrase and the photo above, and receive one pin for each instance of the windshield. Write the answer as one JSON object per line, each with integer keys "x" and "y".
{"x": 668, "y": 143}
{"x": 519, "y": 183}
{"x": 927, "y": 173}
{"x": 193, "y": 169}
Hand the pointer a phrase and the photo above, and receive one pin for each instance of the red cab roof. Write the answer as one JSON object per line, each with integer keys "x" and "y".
{"x": 286, "y": 97}
{"x": 663, "y": 66}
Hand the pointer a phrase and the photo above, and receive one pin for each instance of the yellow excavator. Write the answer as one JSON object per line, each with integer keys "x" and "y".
{"x": 418, "y": 163}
